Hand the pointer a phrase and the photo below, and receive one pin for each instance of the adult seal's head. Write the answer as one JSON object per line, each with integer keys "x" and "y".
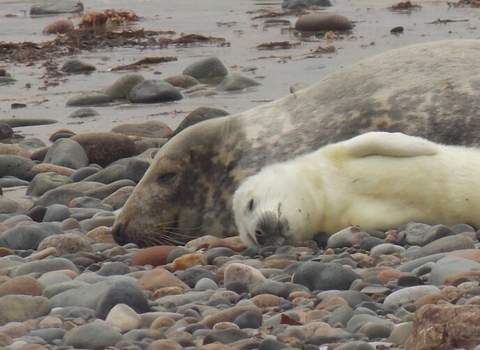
{"x": 430, "y": 90}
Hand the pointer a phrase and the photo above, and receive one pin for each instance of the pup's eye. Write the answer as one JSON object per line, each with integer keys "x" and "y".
{"x": 250, "y": 205}
{"x": 166, "y": 178}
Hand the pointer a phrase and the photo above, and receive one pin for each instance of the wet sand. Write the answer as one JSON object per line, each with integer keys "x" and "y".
{"x": 234, "y": 21}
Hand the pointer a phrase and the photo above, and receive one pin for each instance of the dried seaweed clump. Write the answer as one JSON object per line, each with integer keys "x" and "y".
{"x": 404, "y": 5}
{"x": 108, "y": 20}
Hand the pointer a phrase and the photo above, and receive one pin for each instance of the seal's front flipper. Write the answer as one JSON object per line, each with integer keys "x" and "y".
{"x": 389, "y": 145}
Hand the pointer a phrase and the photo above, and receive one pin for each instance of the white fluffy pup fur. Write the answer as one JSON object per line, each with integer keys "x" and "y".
{"x": 377, "y": 180}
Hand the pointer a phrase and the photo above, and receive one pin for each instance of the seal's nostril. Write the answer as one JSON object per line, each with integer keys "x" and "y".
{"x": 118, "y": 233}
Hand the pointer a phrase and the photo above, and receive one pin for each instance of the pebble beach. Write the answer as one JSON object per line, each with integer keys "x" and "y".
{"x": 78, "y": 130}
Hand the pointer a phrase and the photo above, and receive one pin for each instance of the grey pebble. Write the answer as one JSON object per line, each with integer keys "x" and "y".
{"x": 84, "y": 112}
{"x": 91, "y": 336}
{"x": 320, "y": 276}
{"x": 28, "y": 237}
{"x": 68, "y": 153}
{"x": 153, "y": 91}
{"x": 235, "y": 81}
{"x": 207, "y": 68}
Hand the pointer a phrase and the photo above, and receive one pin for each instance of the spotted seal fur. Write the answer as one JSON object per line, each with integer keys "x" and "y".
{"x": 377, "y": 181}
{"x": 430, "y": 90}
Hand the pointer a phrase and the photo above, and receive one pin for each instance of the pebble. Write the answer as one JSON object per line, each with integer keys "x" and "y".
{"x": 89, "y": 99}
{"x": 207, "y": 68}
{"x": 154, "y": 91}
{"x": 51, "y": 7}
{"x": 77, "y": 66}
{"x": 323, "y": 21}
{"x": 120, "y": 89}
{"x": 235, "y": 81}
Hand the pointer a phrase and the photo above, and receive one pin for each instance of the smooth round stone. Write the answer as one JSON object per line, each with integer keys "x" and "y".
{"x": 28, "y": 237}
{"x": 445, "y": 244}
{"x": 242, "y": 278}
{"x": 356, "y": 345}
{"x": 67, "y": 243}
{"x": 341, "y": 315}
{"x": 6, "y": 132}
{"x": 151, "y": 128}
{"x": 348, "y": 237}
{"x": 235, "y": 81}
{"x": 86, "y": 203}
{"x": 159, "y": 278}
{"x": 52, "y": 7}
{"x": 89, "y": 99}
{"x": 198, "y": 115}
{"x": 91, "y": 336}
{"x": 10, "y": 181}
{"x": 67, "y": 153}
{"x": 271, "y": 344}
{"x": 104, "y": 148}
{"x": 61, "y": 26}
{"x": 108, "y": 175}
{"x": 58, "y": 196}
{"x": 77, "y": 66}
{"x": 153, "y": 91}
{"x": 322, "y": 21}
{"x": 370, "y": 242}
{"x": 56, "y": 212}
{"x": 324, "y": 276}
{"x": 19, "y": 308}
{"x": 52, "y": 278}
{"x": 9, "y": 206}
{"x": 410, "y": 266}
{"x": 15, "y": 219}
{"x": 408, "y": 294}
{"x": 301, "y": 4}
{"x": 155, "y": 256}
{"x": 192, "y": 275}
{"x": 124, "y": 318}
{"x": 182, "y": 81}
{"x": 447, "y": 266}
{"x": 97, "y": 221}
{"x": 84, "y": 112}
{"x": 17, "y": 166}
{"x": 400, "y": 333}
{"x": 207, "y": 68}
{"x": 24, "y": 285}
{"x": 44, "y": 182}
{"x": 386, "y": 249}
{"x": 15, "y": 150}
{"x": 83, "y": 173}
{"x": 276, "y": 288}
{"x": 375, "y": 331}
{"x": 114, "y": 268}
{"x": 120, "y": 89}
{"x": 422, "y": 234}
{"x": 230, "y": 314}
{"x": 121, "y": 293}
{"x": 49, "y": 335}
{"x": 43, "y": 266}
{"x": 357, "y": 321}
{"x": 205, "y": 284}
{"x": 165, "y": 344}
{"x": 225, "y": 336}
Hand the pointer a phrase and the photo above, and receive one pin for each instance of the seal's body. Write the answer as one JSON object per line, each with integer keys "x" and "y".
{"x": 376, "y": 181}
{"x": 429, "y": 90}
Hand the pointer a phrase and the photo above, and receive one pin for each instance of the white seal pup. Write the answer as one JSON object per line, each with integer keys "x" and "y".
{"x": 377, "y": 180}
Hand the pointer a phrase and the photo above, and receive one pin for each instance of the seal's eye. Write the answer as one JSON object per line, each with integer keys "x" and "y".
{"x": 165, "y": 178}
{"x": 250, "y": 205}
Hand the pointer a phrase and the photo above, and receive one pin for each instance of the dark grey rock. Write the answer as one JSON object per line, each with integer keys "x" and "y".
{"x": 271, "y": 344}
{"x": 193, "y": 274}
{"x": 49, "y": 335}
{"x": 56, "y": 212}
{"x": 248, "y": 319}
{"x": 29, "y": 236}
{"x": 323, "y": 21}
{"x": 92, "y": 336}
{"x": 76, "y": 66}
{"x": 67, "y": 153}
{"x": 17, "y": 166}
{"x": 53, "y": 7}
{"x": 216, "y": 252}
{"x": 58, "y": 196}
{"x": 301, "y": 4}
{"x": 153, "y": 91}
{"x": 324, "y": 276}
{"x": 6, "y": 131}
{"x": 207, "y": 68}
{"x": 44, "y": 182}
{"x": 122, "y": 292}
{"x": 341, "y": 315}
{"x": 422, "y": 234}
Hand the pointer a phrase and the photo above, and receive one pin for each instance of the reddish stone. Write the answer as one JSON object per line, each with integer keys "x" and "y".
{"x": 445, "y": 327}
{"x": 155, "y": 256}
